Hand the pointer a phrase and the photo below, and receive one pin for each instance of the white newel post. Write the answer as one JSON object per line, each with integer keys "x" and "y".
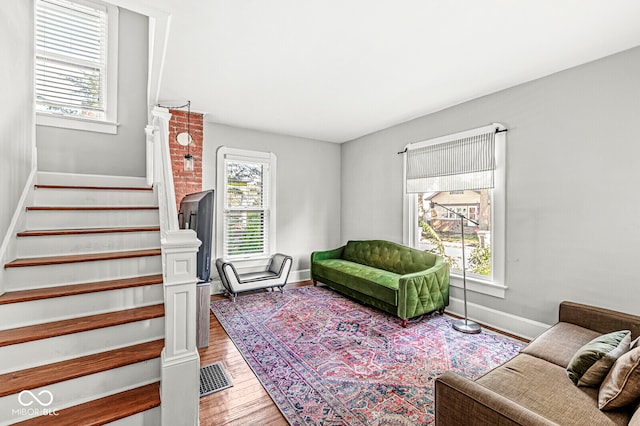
{"x": 180, "y": 389}
{"x": 180, "y": 369}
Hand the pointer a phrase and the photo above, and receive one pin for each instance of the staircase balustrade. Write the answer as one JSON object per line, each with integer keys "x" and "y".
{"x": 180, "y": 375}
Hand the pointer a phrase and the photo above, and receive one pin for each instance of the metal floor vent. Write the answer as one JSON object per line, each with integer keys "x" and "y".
{"x": 213, "y": 378}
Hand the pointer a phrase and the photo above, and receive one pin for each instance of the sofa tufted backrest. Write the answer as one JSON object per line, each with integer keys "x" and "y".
{"x": 389, "y": 256}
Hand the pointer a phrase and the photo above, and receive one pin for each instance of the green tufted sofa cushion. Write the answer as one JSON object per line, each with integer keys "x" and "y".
{"x": 361, "y": 278}
{"x": 388, "y": 256}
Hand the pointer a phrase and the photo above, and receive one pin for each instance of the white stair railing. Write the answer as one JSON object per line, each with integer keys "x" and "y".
{"x": 180, "y": 375}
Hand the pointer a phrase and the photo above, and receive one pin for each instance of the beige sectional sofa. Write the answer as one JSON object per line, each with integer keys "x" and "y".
{"x": 533, "y": 388}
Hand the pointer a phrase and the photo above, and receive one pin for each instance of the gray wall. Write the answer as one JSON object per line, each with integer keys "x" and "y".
{"x": 308, "y": 186}
{"x": 16, "y": 107}
{"x": 124, "y": 154}
{"x": 573, "y": 161}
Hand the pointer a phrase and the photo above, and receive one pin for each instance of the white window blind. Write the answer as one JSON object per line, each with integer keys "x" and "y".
{"x": 456, "y": 164}
{"x": 247, "y": 210}
{"x": 71, "y": 59}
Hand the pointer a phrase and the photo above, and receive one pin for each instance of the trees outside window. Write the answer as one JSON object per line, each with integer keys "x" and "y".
{"x": 442, "y": 234}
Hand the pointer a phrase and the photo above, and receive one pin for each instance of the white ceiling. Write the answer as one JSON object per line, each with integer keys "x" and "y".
{"x": 336, "y": 70}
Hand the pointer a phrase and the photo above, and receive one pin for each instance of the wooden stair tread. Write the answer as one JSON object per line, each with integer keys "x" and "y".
{"x": 81, "y": 231}
{"x": 89, "y": 208}
{"x": 32, "y": 378}
{"x": 74, "y": 289}
{"x": 75, "y": 258}
{"x": 99, "y": 188}
{"x": 103, "y": 410}
{"x": 76, "y": 325}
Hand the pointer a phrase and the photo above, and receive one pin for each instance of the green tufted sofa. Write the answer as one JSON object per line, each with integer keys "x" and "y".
{"x": 397, "y": 279}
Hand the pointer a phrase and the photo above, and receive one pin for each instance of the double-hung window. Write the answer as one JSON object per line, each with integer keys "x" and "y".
{"x": 246, "y": 195}
{"x": 76, "y": 64}
{"x": 453, "y": 175}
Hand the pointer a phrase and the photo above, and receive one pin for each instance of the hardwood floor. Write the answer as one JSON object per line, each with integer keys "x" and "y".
{"x": 246, "y": 402}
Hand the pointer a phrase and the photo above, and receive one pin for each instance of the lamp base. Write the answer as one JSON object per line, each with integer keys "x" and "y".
{"x": 466, "y": 326}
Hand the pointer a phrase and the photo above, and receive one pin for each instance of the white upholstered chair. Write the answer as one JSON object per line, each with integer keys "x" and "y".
{"x": 275, "y": 275}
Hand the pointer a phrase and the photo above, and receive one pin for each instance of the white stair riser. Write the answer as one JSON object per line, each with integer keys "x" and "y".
{"x": 60, "y": 348}
{"x": 53, "y": 245}
{"x": 69, "y": 179}
{"x": 61, "y": 308}
{"x": 30, "y": 277}
{"x": 75, "y": 219}
{"x": 95, "y": 197}
{"x": 146, "y": 418}
{"x": 84, "y": 389}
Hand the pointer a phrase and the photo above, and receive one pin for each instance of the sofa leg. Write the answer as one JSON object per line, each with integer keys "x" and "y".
{"x": 315, "y": 283}
{"x": 405, "y": 322}
{"x": 441, "y": 311}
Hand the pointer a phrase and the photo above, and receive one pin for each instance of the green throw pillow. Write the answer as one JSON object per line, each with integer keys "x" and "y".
{"x": 590, "y": 365}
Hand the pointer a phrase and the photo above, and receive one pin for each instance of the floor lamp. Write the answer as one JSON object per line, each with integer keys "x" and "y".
{"x": 465, "y": 325}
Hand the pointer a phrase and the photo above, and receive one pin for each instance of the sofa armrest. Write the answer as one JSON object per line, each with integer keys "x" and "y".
{"x": 324, "y": 255}
{"x": 460, "y": 401}
{"x": 424, "y": 288}
{"x": 599, "y": 319}
{"x": 280, "y": 264}
{"x": 327, "y": 254}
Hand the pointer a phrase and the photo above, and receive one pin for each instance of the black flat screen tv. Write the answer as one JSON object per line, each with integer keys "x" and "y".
{"x": 196, "y": 212}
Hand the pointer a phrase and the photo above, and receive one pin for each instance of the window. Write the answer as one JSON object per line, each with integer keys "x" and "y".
{"x": 463, "y": 173}
{"x": 76, "y": 64}
{"x": 246, "y": 194}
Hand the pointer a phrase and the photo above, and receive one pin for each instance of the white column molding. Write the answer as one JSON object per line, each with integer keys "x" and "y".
{"x": 180, "y": 361}
{"x": 179, "y": 250}
{"x": 148, "y": 130}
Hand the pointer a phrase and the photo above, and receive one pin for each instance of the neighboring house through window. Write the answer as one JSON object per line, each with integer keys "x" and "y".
{"x": 76, "y": 64}
{"x": 463, "y": 173}
{"x": 245, "y": 224}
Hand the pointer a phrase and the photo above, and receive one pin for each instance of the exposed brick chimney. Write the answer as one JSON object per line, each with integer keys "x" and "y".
{"x": 191, "y": 181}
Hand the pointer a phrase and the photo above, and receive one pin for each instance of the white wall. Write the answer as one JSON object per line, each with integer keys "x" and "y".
{"x": 573, "y": 161}
{"x": 124, "y": 154}
{"x": 308, "y": 186}
{"x": 16, "y": 105}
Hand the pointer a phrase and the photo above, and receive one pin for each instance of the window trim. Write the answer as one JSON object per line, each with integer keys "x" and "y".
{"x": 109, "y": 125}
{"x": 496, "y": 286}
{"x": 245, "y": 155}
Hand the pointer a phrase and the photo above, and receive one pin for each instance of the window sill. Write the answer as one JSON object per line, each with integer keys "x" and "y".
{"x": 479, "y": 285}
{"x": 85, "y": 124}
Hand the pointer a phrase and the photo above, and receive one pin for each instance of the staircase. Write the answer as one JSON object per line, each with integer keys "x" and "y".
{"x": 82, "y": 320}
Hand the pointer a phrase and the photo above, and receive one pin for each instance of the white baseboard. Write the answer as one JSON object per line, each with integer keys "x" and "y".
{"x": 299, "y": 276}
{"x": 509, "y": 323}
{"x": 8, "y": 246}
{"x": 294, "y": 277}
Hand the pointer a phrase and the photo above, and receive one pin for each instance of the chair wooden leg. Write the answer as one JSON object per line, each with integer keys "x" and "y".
{"x": 405, "y": 322}
{"x": 315, "y": 283}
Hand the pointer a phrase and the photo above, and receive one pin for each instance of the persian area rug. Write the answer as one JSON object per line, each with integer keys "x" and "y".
{"x": 328, "y": 360}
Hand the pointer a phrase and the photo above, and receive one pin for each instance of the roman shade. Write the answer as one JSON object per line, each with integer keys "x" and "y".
{"x": 453, "y": 163}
